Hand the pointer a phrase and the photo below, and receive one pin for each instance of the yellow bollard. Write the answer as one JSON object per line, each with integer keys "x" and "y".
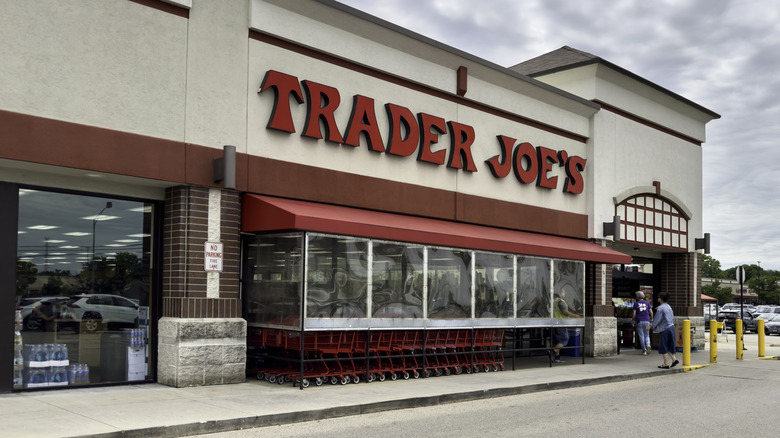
{"x": 686, "y": 334}
{"x": 740, "y": 341}
{"x": 761, "y": 351}
{"x": 713, "y": 341}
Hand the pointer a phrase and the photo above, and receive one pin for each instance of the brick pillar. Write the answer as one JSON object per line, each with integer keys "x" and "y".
{"x": 185, "y": 232}
{"x": 202, "y": 337}
{"x": 681, "y": 279}
{"x": 600, "y": 337}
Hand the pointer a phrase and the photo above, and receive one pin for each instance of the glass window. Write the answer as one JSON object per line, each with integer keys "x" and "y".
{"x": 272, "y": 284}
{"x": 533, "y": 287}
{"x": 449, "y": 283}
{"x": 337, "y": 277}
{"x": 494, "y": 296}
{"x": 397, "y": 281}
{"x": 83, "y": 289}
{"x": 569, "y": 291}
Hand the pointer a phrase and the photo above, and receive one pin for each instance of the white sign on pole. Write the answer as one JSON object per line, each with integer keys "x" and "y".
{"x": 740, "y": 274}
{"x": 213, "y": 256}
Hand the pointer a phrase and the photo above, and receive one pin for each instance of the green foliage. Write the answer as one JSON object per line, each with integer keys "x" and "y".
{"x": 723, "y": 294}
{"x": 710, "y": 267}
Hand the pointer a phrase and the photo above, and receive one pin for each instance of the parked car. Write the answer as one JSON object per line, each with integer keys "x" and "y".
{"x": 728, "y": 318}
{"x": 767, "y": 309}
{"x": 772, "y": 327}
{"x": 30, "y": 321}
{"x": 112, "y": 310}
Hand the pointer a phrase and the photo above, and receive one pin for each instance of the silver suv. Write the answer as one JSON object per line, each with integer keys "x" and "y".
{"x": 113, "y": 310}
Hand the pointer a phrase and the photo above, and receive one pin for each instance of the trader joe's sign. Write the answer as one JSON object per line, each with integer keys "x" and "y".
{"x": 414, "y": 134}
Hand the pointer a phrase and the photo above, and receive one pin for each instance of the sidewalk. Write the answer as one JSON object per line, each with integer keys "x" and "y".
{"x": 157, "y": 410}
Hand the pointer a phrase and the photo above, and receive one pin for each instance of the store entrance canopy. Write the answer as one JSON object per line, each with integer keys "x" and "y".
{"x": 263, "y": 213}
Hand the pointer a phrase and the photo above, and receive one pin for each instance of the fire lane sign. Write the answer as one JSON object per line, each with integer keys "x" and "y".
{"x": 213, "y": 256}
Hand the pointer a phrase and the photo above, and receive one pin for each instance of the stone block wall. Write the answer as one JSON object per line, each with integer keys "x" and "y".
{"x": 201, "y": 351}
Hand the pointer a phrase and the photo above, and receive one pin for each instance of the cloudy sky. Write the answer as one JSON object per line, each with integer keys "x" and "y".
{"x": 721, "y": 54}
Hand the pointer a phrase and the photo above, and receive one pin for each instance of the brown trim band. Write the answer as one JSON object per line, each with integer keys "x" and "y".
{"x": 165, "y": 7}
{"x": 297, "y": 181}
{"x": 343, "y": 63}
{"x": 53, "y": 142}
{"x": 647, "y": 123}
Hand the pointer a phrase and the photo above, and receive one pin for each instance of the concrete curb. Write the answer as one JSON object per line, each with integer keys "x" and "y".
{"x": 358, "y": 409}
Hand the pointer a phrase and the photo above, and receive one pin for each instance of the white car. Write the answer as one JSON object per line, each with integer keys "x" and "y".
{"x": 109, "y": 309}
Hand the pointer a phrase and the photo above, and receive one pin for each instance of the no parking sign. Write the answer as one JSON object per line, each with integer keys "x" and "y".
{"x": 213, "y": 256}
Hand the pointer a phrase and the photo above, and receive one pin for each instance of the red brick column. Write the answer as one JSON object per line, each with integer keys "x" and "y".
{"x": 185, "y": 232}
{"x": 681, "y": 279}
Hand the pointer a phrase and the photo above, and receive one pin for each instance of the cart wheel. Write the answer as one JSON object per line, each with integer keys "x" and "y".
{"x": 305, "y": 383}
{"x": 287, "y": 379}
{"x": 406, "y": 375}
{"x": 495, "y": 367}
{"x": 487, "y": 368}
{"x": 381, "y": 377}
{"x": 393, "y": 376}
{"x": 447, "y": 371}
{"x": 416, "y": 374}
{"x": 439, "y": 372}
{"x": 355, "y": 379}
{"x": 272, "y": 379}
{"x": 345, "y": 380}
{"x": 260, "y": 376}
{"x": 476, "y": 368}
{"x": 318, "y": 381}
{"x": 280, "y": 380}
{"x": 458, "y": 369}
{"x": 334, "y": 380}
{"x": 371, "y": 377}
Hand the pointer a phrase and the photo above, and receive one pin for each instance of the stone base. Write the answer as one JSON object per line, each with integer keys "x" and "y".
{"x": 201, "y": 351}
{"x": 600, "y": 336}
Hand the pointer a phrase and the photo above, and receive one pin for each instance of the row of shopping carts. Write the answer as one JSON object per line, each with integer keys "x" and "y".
{"x": 342, "y": 356}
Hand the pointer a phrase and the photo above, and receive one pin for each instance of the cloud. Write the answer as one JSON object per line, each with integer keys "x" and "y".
{"x": 721, "y": 54}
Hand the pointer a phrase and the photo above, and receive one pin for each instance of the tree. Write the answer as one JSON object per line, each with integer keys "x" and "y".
{"x": 26, "y": 273}
{"x": 765, "y": 285}
{"x": 723, "y": 294}
{"x": 711, "y": 267}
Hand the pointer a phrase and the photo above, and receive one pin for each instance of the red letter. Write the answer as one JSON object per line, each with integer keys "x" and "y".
{"x": 284, "y": 85}
{"x": 401, "y": 117}
{"x": 500, "y": 165}
{"x": 427, "y": 138}
{"x": 547, "y": 157}
{"x": 525, "y": 175}
{"x": 322, "y": 103}
{"x": 574, "y": 183}
{"x": 461, "y": 139}
{"x": 363, "y": 119}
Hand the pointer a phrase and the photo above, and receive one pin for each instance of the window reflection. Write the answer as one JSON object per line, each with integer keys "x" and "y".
{"x": 397, "y": 281}
{"x": 336, "y": 277}
{"x": 83, "y": 288}
{"x": 569, "y": 287}
{"x": 493, "y": 297}
{"x": 449, "y": 283}
{"x": 338, "y": 282}
{"x": 273, "y": 284}
{"x": 533, "y": 287}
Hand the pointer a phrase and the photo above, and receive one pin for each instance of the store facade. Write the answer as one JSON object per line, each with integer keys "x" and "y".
{"x": 381, "y": 182}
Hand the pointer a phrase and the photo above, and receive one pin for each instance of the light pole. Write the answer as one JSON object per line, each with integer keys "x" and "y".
{"x": 94, "y": 224}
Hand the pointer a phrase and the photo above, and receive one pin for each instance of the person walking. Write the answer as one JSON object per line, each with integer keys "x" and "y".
{"x": 663, "y": 324}
{"x": 643, "y": 314}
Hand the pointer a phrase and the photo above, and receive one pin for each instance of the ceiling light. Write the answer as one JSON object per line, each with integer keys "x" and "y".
{"x": 42, "y": 227}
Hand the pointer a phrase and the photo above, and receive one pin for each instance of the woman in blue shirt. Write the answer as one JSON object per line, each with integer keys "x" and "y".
{"x": 663, "y": 324}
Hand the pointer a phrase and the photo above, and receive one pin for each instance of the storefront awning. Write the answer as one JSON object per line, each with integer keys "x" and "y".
{"x": 707, "y": 298}
{"x": 263, "y": 213}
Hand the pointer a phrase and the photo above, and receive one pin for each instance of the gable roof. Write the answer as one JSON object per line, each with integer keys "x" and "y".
{"x": 567, "y": 58}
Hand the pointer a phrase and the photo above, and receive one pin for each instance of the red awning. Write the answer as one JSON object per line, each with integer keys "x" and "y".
{"x": 263, "y": 213}
{"x": 707, "y": 298}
